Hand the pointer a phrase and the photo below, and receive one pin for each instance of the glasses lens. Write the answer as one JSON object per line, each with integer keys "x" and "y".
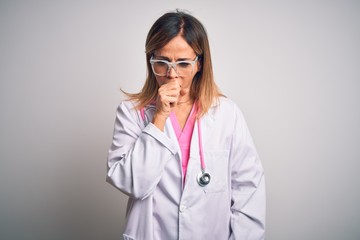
{"x": 160, "y": 68}
{"x": 184, "y": 68}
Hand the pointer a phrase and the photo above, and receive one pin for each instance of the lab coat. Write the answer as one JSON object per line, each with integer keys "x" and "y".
{"x": 145, "y": 164}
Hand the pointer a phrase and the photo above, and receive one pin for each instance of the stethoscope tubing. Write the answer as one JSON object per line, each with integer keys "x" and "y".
{"x": 201, "y": 151}
{"x": 203, "y": 178}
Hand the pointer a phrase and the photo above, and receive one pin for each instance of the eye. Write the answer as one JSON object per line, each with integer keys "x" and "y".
{"x": 161, "y": 64}
{"x": 184, "y": 64}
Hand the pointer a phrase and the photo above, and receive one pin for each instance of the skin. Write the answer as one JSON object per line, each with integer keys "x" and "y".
{"x": 173, "y": 93}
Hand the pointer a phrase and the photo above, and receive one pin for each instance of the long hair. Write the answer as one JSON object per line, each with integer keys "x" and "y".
{"x": 203, "y": 89}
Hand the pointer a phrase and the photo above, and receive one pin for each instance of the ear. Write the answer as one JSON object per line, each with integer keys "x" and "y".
{"x": 199, "y": 65}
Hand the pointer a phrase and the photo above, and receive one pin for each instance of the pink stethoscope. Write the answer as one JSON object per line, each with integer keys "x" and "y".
{"x": 203, "y": 178}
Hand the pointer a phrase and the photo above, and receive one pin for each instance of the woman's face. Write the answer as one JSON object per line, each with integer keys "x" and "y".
{"x": 177, "y": 50}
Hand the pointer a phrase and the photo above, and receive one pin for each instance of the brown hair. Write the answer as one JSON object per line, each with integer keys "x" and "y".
{"x": 203, "y": 89}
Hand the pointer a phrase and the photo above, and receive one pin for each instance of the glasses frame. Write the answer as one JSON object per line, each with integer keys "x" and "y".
{"x": 171, "y": 65}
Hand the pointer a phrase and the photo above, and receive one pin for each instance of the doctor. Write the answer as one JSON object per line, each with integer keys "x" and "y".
{"x": 181, "y": 150}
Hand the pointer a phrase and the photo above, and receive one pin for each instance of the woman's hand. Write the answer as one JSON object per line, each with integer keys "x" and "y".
{"x": 168, "y": 96}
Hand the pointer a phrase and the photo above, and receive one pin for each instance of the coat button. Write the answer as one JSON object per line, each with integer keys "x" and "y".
{"x": 182, "y": 208}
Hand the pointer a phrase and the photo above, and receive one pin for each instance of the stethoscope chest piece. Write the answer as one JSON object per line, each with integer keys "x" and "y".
{"x": 203, "y": 178}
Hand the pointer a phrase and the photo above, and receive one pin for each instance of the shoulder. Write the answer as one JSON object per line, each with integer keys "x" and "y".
{"x": 127, "y": 109}
{"x": 227, "y": 109}
{"x": 130, "y": 109}
{"x": 127, "y": 104}
{"x": 224, "y": 104}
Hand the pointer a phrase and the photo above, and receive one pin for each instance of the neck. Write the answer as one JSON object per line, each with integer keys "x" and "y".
{"x": 189, "y": 101}
{"x": 185, "y": 99}
{"x": 184, "y": 105}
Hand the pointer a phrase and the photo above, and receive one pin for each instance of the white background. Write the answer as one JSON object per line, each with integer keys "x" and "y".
{"x": 293, "y": 67}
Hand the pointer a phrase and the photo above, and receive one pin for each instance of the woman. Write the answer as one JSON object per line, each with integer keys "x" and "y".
{"x": 181, "y": 151}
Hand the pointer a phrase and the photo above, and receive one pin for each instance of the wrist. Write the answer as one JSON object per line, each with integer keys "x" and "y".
{"x": 159, "y": 120}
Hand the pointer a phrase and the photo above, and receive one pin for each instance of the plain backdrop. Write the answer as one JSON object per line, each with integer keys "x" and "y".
{"x": 293, "y": 67}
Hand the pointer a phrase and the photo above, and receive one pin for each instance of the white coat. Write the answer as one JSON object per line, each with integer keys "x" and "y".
{"x": 145, "y": 164}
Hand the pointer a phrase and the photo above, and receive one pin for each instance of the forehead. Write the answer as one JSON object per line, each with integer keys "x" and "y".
{"x": 177, "y": 47}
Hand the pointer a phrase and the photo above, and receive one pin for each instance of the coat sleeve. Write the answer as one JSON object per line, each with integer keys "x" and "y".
{"x": 247, "y": 185}
{"x": 137, "y": 156}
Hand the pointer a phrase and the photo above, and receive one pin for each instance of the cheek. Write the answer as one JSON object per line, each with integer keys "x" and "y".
{"x": 188, "y": 81}
{"x": 160, "y": 80}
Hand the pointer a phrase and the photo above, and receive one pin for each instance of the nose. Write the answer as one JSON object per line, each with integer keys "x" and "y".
{"x": 172, "y": 73}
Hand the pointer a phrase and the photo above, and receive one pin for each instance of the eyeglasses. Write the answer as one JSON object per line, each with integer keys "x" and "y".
{"x": 182, "y": 68}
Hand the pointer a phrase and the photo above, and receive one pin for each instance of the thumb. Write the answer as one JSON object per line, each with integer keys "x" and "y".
{"x": 184, "y": 91}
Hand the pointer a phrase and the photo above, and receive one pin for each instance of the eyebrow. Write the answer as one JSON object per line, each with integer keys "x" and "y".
{"x": 168, "y": 59}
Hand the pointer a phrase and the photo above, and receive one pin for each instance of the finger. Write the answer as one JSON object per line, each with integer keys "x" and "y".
{"x": 170, "y": 100}
{"x": 168, "y": 91}
{"x": 165, "y": 100}
{"x": 172, "y": 84}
